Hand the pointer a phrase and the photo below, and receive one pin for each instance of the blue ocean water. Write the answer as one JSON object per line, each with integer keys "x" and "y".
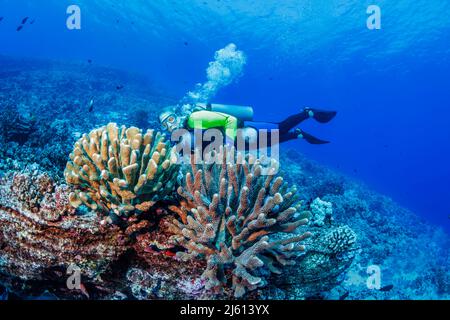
{"x": 390, "y": 86}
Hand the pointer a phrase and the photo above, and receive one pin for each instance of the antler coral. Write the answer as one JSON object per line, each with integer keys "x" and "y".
{"x": 236, "y": 212}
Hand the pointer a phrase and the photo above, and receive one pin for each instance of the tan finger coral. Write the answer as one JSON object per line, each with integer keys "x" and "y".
{"x": 237, "y": 207}
{"x": 121, "y": 170}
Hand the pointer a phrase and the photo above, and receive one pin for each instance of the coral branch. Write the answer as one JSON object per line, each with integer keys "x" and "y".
{"x": 236, "y": 211}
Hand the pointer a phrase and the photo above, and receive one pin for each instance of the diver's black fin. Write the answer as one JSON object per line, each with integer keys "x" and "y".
{"x": 311, "y": 139}
{"x": 323, "y": 116}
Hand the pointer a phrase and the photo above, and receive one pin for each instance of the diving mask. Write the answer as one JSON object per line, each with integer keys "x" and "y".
{"x": 169, "y": 120}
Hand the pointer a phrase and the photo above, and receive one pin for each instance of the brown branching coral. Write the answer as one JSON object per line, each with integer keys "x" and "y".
{"x": 235, "y": 208}
{"x": 121, "y": 170}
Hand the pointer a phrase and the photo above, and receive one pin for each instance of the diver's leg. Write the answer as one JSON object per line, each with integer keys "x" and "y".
{"x": 321, "y": 116}
{"x": 309, "y": 138}
{"x": 251, "y": 138}
{"x": 300, "y": 134}
{"x": 288, "y": 136}
{"x": 292, "y": 121}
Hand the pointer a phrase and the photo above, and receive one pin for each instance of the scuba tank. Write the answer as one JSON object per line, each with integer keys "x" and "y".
{"x": 242, "y": 113}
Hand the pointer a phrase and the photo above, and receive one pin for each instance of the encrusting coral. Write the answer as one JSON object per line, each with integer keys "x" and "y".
{"x": 329, "y": 253}
{"x": 35, "y": 191}
{"x": 121, "y": 171}
{"x": 40, "y": 236}
{"x": 236, "y": 205}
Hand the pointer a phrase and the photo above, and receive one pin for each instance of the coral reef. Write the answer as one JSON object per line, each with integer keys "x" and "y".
{"x": 35, "y": 252}
{"x": 32, "y": 246}
{"x": 386, "y": 232}
{"x": 235, "y": 211}
{"x": 39, "y": 237}
{"x": 321, "y": 212}
{"x": 120, "y": 172}
{"x": 16, "y": 127}
{"x": 41, "y": 233}
{"x": 331, "y": 251}
{"x": 34, "y": 190}
{"x": 54, "y": 97}
{"x": 329, "y": 254}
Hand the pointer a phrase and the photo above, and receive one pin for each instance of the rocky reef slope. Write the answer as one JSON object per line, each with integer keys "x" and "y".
{"x": 45, "y": 107}
{"x": 413, "y": 256}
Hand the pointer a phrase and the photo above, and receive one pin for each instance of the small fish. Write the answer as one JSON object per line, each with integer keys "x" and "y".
{"x": 119, "y": 87}
{"x": 387, "y": 288}
{"x": 91, "y": 106}
{"x": 89, "y": 61}
{"x": 32, "y": 21}
{"x": 344, "y": 296}
{"x": 1, "y": 19}
{"x": 24, "y": 20}
{"x": 186, "y": 43}
{"x": 169, "y": 253}
{"x": 19, "y": 28}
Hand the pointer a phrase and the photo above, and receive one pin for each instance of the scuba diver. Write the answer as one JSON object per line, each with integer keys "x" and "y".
{"x": 229, "y": 119}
